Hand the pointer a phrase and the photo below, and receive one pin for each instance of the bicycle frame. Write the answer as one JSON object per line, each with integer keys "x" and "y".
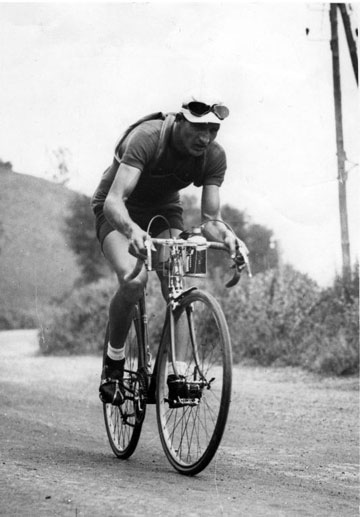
{"x": 176, "y": 292}
{"x": 191, "y": 404}
{"x": 147, "y": 356}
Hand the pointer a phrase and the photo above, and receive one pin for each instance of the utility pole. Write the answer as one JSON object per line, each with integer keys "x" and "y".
{"x": 341, "y": 157}
{"x": 350, "y": 40}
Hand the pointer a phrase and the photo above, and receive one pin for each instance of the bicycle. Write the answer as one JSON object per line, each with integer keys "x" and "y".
{"x": 190, "y": 424}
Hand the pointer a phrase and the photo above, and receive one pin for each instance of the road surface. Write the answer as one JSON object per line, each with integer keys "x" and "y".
{"x": 290, "y": 448}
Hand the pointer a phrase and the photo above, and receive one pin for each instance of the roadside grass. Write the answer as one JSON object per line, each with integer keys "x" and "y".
{"x": 76, "y": 323}
{"x": 280, "y": 317}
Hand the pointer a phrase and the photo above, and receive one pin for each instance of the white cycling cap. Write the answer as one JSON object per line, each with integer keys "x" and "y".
{"x": 204, "y": 110}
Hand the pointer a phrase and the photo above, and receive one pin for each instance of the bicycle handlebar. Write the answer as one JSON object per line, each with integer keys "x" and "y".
{"x": 240, "y": 261}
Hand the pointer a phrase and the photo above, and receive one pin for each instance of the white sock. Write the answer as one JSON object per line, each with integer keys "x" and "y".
{"x": 116, "y": 354}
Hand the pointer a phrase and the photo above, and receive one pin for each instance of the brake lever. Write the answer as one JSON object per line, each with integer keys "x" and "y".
{"x": 234, "y": 280}
{"x": 241, "y": 261}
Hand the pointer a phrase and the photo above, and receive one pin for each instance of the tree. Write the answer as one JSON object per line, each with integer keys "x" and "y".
{"x": 5, "y": 166}
{"x": 263, "y": 249}
{"x": 80, "y": 233}
{"x": 81, "y": 236}
{"x": 259, "y": 239}
{"x": 2, "y": 233}
{"x": 60, "y": 159}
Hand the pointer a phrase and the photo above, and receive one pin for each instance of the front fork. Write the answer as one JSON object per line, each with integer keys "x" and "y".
{"x": 197, "y": 374}
{"x": 173, "y": 304}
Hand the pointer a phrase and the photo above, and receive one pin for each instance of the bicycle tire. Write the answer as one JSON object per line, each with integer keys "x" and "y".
{"x": 190, "y": 435}
{"x": 123, "y": 423}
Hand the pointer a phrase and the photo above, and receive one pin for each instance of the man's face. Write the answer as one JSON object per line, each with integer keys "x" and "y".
{"x": 195, "y": 138}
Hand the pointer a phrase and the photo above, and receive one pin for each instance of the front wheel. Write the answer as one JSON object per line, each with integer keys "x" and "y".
{"x": 123, "y": 423}
{"x": 191, "y": 429}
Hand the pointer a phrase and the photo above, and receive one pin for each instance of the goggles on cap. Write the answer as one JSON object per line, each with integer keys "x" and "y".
{"x": 198, "y": 109}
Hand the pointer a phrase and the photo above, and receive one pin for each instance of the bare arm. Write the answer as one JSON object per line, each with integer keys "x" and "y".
{"x": 116, "y": 212}
{"x": 210, "y": 209}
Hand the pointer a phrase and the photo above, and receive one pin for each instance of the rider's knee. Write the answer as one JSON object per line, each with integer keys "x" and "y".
{"x": 133, "y": 289}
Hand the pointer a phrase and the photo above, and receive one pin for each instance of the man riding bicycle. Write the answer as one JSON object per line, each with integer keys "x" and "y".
{"x": 153, "y": 161}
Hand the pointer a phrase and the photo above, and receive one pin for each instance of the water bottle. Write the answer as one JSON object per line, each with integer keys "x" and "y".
{"x": 196, "y": 256}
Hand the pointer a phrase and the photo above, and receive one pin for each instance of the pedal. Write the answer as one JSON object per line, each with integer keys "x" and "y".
{"x": 182, "y": 402}
{"x": 183, "y": 393}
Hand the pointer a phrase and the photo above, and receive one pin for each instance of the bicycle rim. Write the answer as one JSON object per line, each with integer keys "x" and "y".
{"x": 190, "y": 435}
{"x": 123, "y": 423}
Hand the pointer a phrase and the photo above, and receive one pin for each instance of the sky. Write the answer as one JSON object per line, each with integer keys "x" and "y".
{"x": 75, "y": 75}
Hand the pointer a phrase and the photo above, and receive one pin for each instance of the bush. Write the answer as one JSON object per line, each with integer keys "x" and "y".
{"x": 263, "y": 312}
{"x": 81, "y": 238}
{"x": 283, "y": 317}
{"x": 279, "y": 317}
{"x": 5, "y": 166}
{"x": 76, "y": 325}
{"x": 331, "y": 354}
{"x": 330, "y": 335}
{"x": 19, "y": 319}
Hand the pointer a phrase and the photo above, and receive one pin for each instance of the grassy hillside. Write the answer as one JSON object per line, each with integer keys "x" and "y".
{"x": 36, "y": 264}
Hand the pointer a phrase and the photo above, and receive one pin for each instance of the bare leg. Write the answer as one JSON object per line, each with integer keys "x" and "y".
{"x": 115, "y": 249}
{"x": 181, "y": 330}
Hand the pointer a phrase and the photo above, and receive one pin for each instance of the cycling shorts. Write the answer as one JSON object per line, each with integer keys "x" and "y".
{"x": 142, "y": 217}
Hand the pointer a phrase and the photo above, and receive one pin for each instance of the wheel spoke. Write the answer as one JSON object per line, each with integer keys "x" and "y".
{"x": 191, "y": 433}
{"x": 123, "y": 424}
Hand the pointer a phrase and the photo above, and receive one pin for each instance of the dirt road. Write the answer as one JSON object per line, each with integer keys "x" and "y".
{"x": 290, "y": 449}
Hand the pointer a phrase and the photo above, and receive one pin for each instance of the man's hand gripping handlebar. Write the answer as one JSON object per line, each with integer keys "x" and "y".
{"x": 241, "y": 261}
{"x": 239, "y": 258}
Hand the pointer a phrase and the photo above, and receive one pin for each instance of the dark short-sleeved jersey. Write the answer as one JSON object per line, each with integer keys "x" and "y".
{"x": 159, "y": 183}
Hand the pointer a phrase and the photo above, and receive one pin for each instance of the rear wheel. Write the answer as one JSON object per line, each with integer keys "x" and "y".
{"x": 123, "y": 423}
{"x": 191, "y": 433}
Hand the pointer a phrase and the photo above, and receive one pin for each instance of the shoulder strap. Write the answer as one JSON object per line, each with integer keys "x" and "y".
{"x": 165, "y": 133}
{"x": 153, "y": 116}
{"x": 168, "y": 118}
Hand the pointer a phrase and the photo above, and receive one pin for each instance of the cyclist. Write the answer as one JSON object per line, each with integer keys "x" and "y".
{"x": 153, "y": 161}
